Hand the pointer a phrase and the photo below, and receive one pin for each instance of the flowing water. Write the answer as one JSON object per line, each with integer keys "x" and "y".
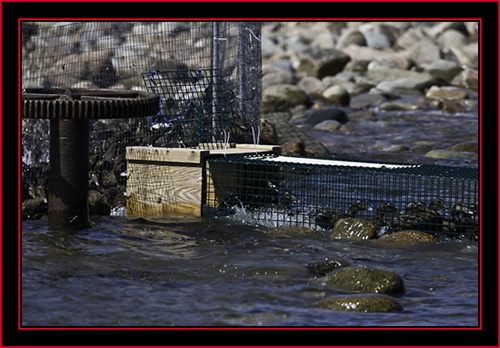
{"x": 227, "y": 272}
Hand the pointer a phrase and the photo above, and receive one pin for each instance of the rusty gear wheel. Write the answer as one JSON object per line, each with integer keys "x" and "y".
{"x": 89, "y": 104}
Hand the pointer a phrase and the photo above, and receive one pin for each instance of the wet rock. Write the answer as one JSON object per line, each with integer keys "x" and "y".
{"x": 446, "y": 154}
{"x": 97, "y": 205}
{"x": 365, "y": 280}
{"x": 282, "y": 97}
{"x": 317, "y": 116}
{"x": 361, "y": 303}
{"x": 353, "y": 228}
{"x": 409, "y": 236}
{"x": 327, "y": 266}
{"x": 268, "y": 135}
{"x": 293, "y": 148}
{"x": 449, "y": 106}
{"x": 33, "y": 208}
{"x": 472, "y": 146}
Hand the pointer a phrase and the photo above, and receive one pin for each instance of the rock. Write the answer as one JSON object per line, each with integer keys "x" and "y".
{"x": 277, "y": 77}
{"x": 446, "y": 154}
{"x": 312, "y": 85}
{"x": 353, "y": 228}
{"x": 317, "y": 116}
{"x": 449, "y": 106}
{"x": 472, "y": 146}
{"x": 293, "y": 148}
{"x": 365, "y": 280}
{"x": 445, "y": 69}
{"x": 361, "y": 303}
{"x": 97, "y": 204}
{"x": 292, "y": 231}
{"x": 328, "y": 125}
{"x": 404, "y": 86}
{"x": 375, "y": 39}
{"x": 367, "y": 100}
{"x": 352, "y": 37}
{"x": 424, "y": 52}
{"x": 396, "y": 148}
{"x": 323, "y": 62}
{"x": 268, "y": 135}
{"x": 33, "y": 208}
{"x": 322, "y": 268}
{"x": 397, "y": 105}
{"x": 282, "y": 97}
{"x": 409, "y": 236}
{"x": 446, "y": 92}
{"x": 337, "y": 95}
{"x": 469, "y": 78}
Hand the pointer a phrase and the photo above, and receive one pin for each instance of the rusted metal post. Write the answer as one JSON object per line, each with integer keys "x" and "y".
{"x": 68, "y": 174}
{"x": 69, "y": 111}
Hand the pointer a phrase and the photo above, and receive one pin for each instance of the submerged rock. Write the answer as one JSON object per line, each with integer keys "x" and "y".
{"x": 361, "y": 303}
{"x": 365, "y": 280}
{"x": 322, "y": 268}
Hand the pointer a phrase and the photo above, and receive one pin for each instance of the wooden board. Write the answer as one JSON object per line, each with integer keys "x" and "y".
{"x": 169, "y": 182}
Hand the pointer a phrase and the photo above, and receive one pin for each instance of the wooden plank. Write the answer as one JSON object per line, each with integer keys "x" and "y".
{"x": 168, "y": 155}
{"x": 163, "y": 190}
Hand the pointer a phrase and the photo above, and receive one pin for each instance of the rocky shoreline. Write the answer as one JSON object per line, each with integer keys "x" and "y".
{"x": 380, "y": 85}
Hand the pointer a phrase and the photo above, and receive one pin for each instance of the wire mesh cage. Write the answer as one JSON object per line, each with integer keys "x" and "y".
{"x": 279, "y": 190}
{"x": 195, "y": 107}
{"x": 122, "y": 55}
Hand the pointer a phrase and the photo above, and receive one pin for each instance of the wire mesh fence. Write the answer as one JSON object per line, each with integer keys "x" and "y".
{"x": 125, "y": 55}
{"x": 277, "y": 191}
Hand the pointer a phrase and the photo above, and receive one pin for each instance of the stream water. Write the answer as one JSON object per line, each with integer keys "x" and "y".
{"x": 220, "y": 272}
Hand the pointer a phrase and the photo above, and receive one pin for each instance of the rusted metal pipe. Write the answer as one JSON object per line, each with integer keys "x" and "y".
{"x": 68, "y": 174}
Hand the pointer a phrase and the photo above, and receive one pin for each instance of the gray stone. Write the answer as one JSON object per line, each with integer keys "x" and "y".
{"x": 282, "y": 97}
{"x": 337, "y": 95}
{"x": 328, "y": 125}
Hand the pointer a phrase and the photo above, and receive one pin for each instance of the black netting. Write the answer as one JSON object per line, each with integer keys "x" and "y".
{"x": 314, "y": 193}
{"x": 195, "y": 107}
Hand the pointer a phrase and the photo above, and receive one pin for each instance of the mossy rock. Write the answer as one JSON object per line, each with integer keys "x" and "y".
{"x": 353, "y": 228}
{"x": 365, "y": 280}
{"x": 362, "y": 303}
{"x": 409, "y": 236}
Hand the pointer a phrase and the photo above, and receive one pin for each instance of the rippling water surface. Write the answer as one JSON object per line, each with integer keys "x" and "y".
{"x": 221, "y": 272}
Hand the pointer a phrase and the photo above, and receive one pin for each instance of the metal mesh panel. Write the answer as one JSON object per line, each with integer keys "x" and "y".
{"x": 115, "y": 54}
{"x": 195, "y": 107}
{"x": 299, "y": 192}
